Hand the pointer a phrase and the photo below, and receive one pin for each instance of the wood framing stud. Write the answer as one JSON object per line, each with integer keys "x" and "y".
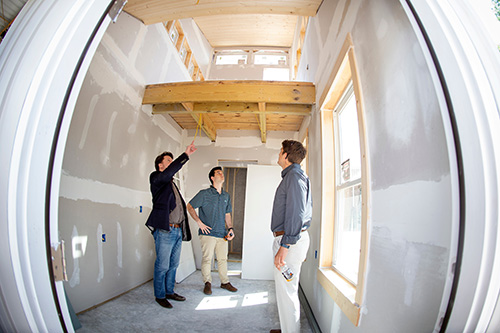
{"x": 262, "y": 121}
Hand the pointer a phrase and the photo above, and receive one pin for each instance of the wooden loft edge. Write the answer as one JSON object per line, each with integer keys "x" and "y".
{"x": 226, "y": 82}
{"x": 280, "y": 92}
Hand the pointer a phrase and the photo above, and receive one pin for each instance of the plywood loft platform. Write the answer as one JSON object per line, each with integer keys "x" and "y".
{"x": 237, "y": 105}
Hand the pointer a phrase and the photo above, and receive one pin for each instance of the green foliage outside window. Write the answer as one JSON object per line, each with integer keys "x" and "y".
{"x": 496, "y": 8}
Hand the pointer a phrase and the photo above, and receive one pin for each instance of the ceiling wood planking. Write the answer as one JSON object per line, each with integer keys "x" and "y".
{"x": 248, "y": 30}
{"x": 155, "y": 11}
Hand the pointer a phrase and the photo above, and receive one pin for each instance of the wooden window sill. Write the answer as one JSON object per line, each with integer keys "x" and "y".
{"x": 341, "y": 291}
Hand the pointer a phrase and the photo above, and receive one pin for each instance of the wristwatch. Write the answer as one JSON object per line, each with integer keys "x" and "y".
{"x": 286, "y": 246}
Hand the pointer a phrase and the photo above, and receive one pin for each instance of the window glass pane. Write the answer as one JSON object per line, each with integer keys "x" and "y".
{"x": 347, "y": 243}
{"x": 183, "y": 53}
{"x": 174, "y": 35}
{"x": 350, "y": 154}
{"x": 231, "y": 59}
{"x": 270, "y": 59}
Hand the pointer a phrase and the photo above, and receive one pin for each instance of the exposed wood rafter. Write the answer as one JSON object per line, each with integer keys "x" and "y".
{"x": 203, "y": 121}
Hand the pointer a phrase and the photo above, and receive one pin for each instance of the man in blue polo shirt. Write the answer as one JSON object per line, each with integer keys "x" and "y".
{"x": 214, "y": 208}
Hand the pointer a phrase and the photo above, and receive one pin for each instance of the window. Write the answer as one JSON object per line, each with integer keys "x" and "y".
{"x": 272, "y": 63}
{"x": 305, "y": 161}
{"x": 344, "y": 238}
{"x": 347, "y": 219}
{"x": 176, "y": 34}
{"x": 270, "y": 59}
{"x": 232, "y": 58}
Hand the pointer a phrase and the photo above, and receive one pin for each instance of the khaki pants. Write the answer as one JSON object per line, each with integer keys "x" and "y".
{"x": 287, "y": 292}
{"x": 210, "y": 244}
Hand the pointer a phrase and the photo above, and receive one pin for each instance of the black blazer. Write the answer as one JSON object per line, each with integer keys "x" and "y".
{"x": 164, "y": 198}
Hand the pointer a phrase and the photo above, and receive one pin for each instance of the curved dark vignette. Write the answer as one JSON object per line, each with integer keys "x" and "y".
{"x": 461, "y": 180}
{"x": 51, "y": 162}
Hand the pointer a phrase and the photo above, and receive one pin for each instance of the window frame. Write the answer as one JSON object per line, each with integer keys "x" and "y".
{"x": 348, "y": 296}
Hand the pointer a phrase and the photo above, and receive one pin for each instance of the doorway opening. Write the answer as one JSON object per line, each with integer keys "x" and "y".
{"x": 235, "y": 185}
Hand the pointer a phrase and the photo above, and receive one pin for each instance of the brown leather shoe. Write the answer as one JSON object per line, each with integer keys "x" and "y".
{"x": 208, "y": 288}
{"x": 228, "y": 286}
{"x": 275, "y": 331}
{"x": 176, "y": 297}
{"x": 164, "y": 303}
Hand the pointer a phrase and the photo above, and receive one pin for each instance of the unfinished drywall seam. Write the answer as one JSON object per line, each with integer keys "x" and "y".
{"x": 100, "y": 259}
{"x": 90, "y": 113}
{"x": 75, "y": 276}
{"x": 119, "y": 245}
{"x": 105, "y": 153}
{"x": 110, "y": 45}
{"x": 139, "y": 39}
{"x": 74, "y": 188}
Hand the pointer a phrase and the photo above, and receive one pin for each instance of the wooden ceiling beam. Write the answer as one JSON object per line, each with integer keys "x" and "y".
{"x": 155, "y": 11}
{"x": 262, "y": 121}
{"x": 277, "y": 92}
{"x": 203, "y": 121}
{"x": 222, "y": 107}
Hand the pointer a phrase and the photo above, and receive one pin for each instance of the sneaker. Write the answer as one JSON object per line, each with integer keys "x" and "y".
{"x": 228, "y": 286}
{"x": 208, "y": 288}
{"x": 163, "y": 302}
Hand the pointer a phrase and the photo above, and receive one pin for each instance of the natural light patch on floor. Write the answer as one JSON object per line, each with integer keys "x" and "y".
{"x": 218, "y": 302}
{"x": 255, "y": 299}
{"x": 226, "y": 302}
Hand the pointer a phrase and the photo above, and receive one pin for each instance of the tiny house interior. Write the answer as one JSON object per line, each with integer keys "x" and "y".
{"x": 395, "y": 103}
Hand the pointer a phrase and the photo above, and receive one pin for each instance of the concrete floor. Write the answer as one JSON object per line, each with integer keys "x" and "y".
{"x": 251, "y": 309}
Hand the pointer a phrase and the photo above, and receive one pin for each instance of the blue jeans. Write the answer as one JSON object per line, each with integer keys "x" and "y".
{"x": 168, "y": 252}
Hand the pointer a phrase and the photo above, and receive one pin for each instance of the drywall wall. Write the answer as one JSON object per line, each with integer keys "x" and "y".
{"x": 112, "y": 143}
{"x": 229, "y": 146}
{"x": 410, "y": 211}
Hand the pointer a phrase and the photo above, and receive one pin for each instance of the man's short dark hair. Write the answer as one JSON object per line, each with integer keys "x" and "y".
{"x": 212, "y": 173}
{"x": 295, "y": 151}
{"x": 160, "y": 158}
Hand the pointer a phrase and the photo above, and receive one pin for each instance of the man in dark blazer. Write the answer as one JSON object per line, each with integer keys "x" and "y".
{"x": 168, "y": 223}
